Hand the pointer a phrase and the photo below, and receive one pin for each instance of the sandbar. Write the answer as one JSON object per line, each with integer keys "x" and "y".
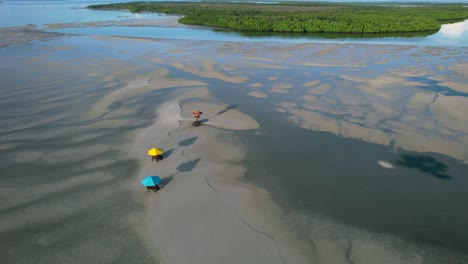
{"x": 205, "y": 212}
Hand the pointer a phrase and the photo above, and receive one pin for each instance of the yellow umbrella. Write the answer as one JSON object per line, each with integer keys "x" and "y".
{"x": 155, "y": 152}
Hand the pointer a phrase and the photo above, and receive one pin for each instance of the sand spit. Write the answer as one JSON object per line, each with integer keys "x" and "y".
{"x": 206, "y": 213}
{"x": 156, "y": 80}
{"x": 206, "y": 68}
{"x": 258, "y": 94}
{"x": 281, "y": 87}
{"x": 392, "y": 106}
{"x": 220, "y": 116}
{"x": 23, "y": 34}
{"x": 168, "y": 21}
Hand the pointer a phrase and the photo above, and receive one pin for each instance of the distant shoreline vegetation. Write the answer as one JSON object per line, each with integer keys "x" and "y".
{"x": 307, "y": 17}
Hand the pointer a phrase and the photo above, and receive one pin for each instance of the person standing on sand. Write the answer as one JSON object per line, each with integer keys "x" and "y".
{"x": 196, "y": 114}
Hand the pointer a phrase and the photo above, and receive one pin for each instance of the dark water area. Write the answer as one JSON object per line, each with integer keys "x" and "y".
{"x": 320, "y": 173}
{"x": 421, "y": 200}
{"x": 435, "y": 86}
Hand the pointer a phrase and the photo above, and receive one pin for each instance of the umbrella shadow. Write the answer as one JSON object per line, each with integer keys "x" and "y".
{"x": 165, "y": 181}
{"x": 188, "y": 166}
{"x": 168, "y": 153}
{"x": 426, "y": 164}
{"x": 187, "y": 142}
{"x": 227, "y": 108}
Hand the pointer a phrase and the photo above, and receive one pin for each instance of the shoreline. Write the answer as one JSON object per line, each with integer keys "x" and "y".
{"x": 204, "y": 204}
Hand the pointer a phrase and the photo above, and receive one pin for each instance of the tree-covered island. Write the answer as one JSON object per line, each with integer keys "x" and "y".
{"x": 307, "y": 17}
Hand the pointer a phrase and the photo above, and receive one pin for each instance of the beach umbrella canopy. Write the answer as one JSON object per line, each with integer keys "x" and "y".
{"x": 151, "y": 181}
{"x": 155, "y": 152}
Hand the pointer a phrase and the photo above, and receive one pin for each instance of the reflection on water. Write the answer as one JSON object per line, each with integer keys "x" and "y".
{"x": 201, "y": 33}
{"x": 455, "y": 30}
{"x": 456, "y": 33}
{"x": 426, "y": 164}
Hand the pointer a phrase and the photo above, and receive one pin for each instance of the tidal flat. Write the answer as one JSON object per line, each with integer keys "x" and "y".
{"x": 286, "y": 168}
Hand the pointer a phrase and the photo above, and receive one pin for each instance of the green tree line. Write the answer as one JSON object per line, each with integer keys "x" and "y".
{"x": 305, "y": 17}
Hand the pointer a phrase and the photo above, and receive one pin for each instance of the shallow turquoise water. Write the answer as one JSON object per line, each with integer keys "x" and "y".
{"x": 20, "y": 13}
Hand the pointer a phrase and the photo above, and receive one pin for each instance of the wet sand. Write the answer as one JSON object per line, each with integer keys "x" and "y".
{"x": 206, "y": 205}
{"x": 205, "y": 211}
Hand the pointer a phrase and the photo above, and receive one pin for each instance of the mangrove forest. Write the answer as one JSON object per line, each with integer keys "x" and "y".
{"x": 307, "y": 17}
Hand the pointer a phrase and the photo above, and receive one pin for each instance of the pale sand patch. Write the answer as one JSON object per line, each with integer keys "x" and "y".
{"x": 410, "y": 138}
{"x": 28, "y": 156}
{"x": 23, "y": 34}
{"x": 313, "y": 121}
{"x": 288, "y": 104}
{"x": 75, "y": 154}
{"x": 320, "y": 89}
{"x": 54, "y": 98}
{"x": 418, "y": 103}
{"x": 39, "y": 190}
{"x": 83, "y": 137}
{"x": 208, "y": 70}
{"x": 168, "y": 21}
{"x": 35, "y": 123}
{"x": 461, "y": 69}
{"x": 446, "y": 130}
{"x": 385, "y": 110}
{"x": 457, "y": 86}
{"x": 451, "y": 112}
{"x": 263, "y": 66}
{"x": 229, "y": 67}
{"x": 385, "y": 164}
{"x": 261, "y": 59}
{"x": 331, "y": 49}
{"x": 411, "y": 71}
{"x": 100, "y": 163}
{"x": 282, "y": 87}
{"x": 311, "y": 83}
{"x": 367, "y": 251}
{"x": 385, "y": 61}
{"x": 220, "y": 116}
{"x": 256, "y": 85}
{"x": 448, "y": 81}
{"x": 206, "y": 206}
{"x": 157, "y": 60}
{"x": 440, "y": 77}
{"x": 367, "y": 134}
{"x": 335, "y": 243}
{"x": 311, "y": 99}
{"x": 102, "y": 106}
{"x": 6, "y": 146}
{"x": 258, "y": 94}
{"x": 157, "y": 80}
{"x": 379, "y": 82}
{"x": 317, "y": 64}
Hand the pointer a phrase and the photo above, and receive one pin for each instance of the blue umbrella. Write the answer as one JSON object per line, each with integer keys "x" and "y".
{"x": 151, "y": 181}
